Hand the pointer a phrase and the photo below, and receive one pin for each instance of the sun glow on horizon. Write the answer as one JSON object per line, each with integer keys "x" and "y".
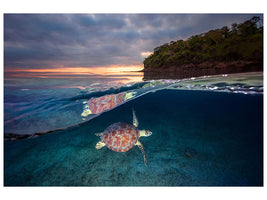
{"x": 129, "y": 73}
{"x": 111, "y": 70}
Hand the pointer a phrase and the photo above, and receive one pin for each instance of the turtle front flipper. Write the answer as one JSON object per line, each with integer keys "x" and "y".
{"x": 142, "y": 150}
{"x": 135, "y": 121}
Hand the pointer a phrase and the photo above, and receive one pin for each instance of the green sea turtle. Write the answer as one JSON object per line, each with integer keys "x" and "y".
{"x": 121, "y": 137}
{"x": 107, "y": 102}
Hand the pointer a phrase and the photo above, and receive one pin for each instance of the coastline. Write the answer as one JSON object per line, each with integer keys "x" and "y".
{"x": 202, "y": 69}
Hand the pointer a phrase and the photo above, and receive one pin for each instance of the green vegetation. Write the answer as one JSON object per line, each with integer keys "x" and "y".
{"x": 241, "y": 42}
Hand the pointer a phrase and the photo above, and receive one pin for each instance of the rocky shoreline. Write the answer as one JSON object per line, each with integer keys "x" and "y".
{"x": 202, "y": 69}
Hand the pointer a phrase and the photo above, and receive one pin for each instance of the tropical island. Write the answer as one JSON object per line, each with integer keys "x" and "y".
{"x": 221, "y": 51}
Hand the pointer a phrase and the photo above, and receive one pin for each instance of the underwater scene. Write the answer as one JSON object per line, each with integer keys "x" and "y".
{"x": 205, "y": 131}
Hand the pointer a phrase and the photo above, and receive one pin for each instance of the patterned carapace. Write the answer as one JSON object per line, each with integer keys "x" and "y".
{"x": 120, "y": 136}
{"x": 100, "y": 104}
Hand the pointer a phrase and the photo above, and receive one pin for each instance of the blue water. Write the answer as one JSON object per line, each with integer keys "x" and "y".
{"x": 200, "y": 138}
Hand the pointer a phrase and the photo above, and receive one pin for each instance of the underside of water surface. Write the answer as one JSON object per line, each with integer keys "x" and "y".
{"x": 200, "y": 138}
{"x": 36, "y": 107}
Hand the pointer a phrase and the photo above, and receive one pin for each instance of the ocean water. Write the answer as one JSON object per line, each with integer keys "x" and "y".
{"x": 207, "y": 131}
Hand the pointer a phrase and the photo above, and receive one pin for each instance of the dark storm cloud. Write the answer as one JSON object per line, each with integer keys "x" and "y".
{"x": 87, "y": 40}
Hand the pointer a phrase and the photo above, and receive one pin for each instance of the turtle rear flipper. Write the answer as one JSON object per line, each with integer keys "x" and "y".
{"x": 99, "y": 145}
{"x": 142, "y": 150}
{"x": 135, "y": 120}
{"x": 98, "y": 134}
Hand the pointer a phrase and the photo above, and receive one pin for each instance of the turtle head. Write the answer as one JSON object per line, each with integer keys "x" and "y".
{"x": 145, "y": 133}
{"x": 148, "y": 132}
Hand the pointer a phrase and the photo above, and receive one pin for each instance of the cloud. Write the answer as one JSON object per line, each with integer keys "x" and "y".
{"x": 146, "y": 53}
{"x": 94, "y": 40}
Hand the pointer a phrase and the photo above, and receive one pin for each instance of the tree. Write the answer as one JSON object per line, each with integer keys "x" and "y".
{"x": 248, "y": 27}
{"x": 234, "y": 28}
{"x": 224, "y": 30}
{"x": 255, "y": 20}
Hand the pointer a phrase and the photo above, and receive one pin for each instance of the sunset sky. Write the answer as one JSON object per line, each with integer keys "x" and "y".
{"x": 91, "y": 44}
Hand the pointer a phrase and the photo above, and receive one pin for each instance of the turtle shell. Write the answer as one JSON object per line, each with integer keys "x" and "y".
{"x": 100, "y": 104}
{"x": 120, "y": 136}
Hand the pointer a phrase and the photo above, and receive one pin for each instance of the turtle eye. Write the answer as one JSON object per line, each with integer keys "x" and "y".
{"x": 148, "y": 132}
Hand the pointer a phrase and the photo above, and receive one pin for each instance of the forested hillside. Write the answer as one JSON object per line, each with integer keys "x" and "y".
{"x": 241, "y": 43}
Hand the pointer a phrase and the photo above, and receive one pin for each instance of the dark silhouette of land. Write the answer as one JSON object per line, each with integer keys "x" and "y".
{"x": 221, "y": 51}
